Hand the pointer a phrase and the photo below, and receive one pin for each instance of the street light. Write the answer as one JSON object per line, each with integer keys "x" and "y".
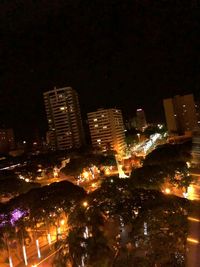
{"x": 25, "y": 256}
{"x": 192, "y": 240}
{"x": 59, "y": 230}
{"x": 49, "y": 238}
{"x": 85, "y": 204}
{"x": 62, "y": 222}
{"x": 38, "y": 248}
{"x": 167, "y": 191}
{"x": 10, "y": 262}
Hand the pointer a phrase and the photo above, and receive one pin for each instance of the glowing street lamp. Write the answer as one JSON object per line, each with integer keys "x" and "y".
{"x": 62, "y": 222}
{"x": 167, "y": 191}
{"x": 49, "y": 238}
{"x": 59, "y": 230}
{"x": 192, "y": 219}
{"x": 192, "y": 240}
{"x": 25, "y": 256}
{"x": 10, "y": 262}
{"x": 107, "y": 172}
{"x": 38, "y": 248}
{"x": 85, "y": 204}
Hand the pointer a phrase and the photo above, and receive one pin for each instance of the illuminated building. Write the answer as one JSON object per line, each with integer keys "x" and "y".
{"x": 195, "y": 161}
{"x": 140, "y": 119}
{"x": 107, "y": 129}
{"x": 180, "y": 114}
{"x": 7, "y": 142}
{"x": 193, "y": 192}
{"x": 131, "y": 123}
{"x": 64, "y": 118}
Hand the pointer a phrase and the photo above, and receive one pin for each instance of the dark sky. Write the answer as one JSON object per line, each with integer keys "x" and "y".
{"x": 121, "y": 53}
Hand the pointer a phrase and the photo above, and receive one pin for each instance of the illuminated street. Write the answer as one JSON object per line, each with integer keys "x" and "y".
{"x": 100, "y": 133}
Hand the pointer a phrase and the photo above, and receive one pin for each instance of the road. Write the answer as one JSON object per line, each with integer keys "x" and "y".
{"x": 48, "y": 181}
{"x": 47, "y": 252}
{"x": 47, "y": 256}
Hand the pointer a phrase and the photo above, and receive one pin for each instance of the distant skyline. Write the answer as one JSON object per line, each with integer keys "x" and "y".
{"x": 125, "y": 54}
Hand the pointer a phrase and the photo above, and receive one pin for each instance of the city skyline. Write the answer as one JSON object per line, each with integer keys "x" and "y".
{"x": 114, "y": 54}
{"x": 99, "y": 133}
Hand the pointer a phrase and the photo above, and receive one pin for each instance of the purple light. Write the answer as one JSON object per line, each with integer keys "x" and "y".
{"x": 12, "y": 218}
{"x": 16, "y": 215}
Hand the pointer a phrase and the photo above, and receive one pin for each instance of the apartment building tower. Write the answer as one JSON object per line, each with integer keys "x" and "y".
{"x": 64, "y": 118}
{"x": 181, "y": 114}
{"x": 140, "y": 119}
{"x": 7, "y": 141}
{"x": 107, "y": 129}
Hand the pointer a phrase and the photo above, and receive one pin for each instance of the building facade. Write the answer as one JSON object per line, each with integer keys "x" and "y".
{"x": 64, "y": 118}
{"x": 7, "y": 141}
{"x": 181, "y": 114}
{"x": 107, "y": 130}
{"x": 141, "y": 119}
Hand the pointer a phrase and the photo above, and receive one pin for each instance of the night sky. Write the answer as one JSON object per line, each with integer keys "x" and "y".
{"x": 128, "y": 54}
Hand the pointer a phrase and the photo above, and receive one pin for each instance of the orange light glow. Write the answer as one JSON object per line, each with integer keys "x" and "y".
{"x": 192, "y": 240}
{"x": 167, "y": 191}
{"x": 85, "y": 204}
{"x": 193, "y": 219}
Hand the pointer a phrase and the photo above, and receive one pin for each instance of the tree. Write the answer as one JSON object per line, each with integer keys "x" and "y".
{"x": 148, "y": 177}
{"x": 169, "y": 153}
{"x": 155, "y": 176}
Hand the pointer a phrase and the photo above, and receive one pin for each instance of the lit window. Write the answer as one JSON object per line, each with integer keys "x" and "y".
{"x": 96, "y": 125}
{"x": 99, "y": 140}
{"x": 95, "y": 119}
{"x": 105, "y": 127}
{"x": 71, "y": 108}
{"x": 62, "y": 108}
{"x": 102, "y": 115}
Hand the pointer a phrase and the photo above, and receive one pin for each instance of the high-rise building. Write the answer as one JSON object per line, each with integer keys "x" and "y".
{"x": 131, "y": 123}
{"x": 140, "y": 119}
{"x": 180, "y": 114}
{"x": 195, "y": 161}
{"x": 107, "y": 129}
{"x": 64, "y": 118}
{"x": 7, "y": 141}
